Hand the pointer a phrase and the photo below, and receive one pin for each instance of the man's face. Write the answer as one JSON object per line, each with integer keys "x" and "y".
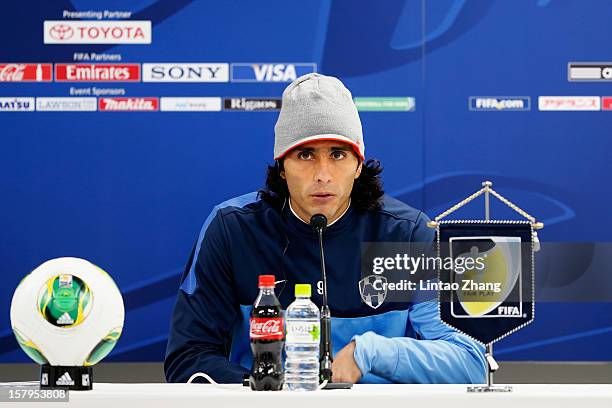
{"x": 320, "y": 177}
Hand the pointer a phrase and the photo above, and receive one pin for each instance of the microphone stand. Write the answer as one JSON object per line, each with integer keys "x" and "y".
{"x": 326, "y": 359}
{"x": 319, "y": 222}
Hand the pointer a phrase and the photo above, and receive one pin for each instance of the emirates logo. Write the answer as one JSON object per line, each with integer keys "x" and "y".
{"x": 61, "y": 32}
{"x": 267, "y": 328}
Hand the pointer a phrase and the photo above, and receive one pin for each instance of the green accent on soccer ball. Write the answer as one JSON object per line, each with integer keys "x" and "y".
{"x": 104, "y": 347}
{"x": 65, "y": 304}
{"x": 30, "y": 348}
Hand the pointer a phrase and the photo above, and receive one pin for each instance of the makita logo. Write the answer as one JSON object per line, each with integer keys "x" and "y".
{"x": 97, "y": 32}
{"x": 252, "y": 104}
{"x": 270, "y": 72}
{"x": 508, "y": 311}
{"x": 26, "y": 72}
{"x": 589, "y": 71}
{"x": 128, "y": 104}
{"x": 204, "y": 72}
{"x": 16, "y": 104}
{"x": 487, "y": 103}
{"x": 97, "y": 72}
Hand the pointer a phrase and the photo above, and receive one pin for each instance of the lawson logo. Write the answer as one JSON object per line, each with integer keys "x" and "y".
{"x": 497, "y": 103}
{"x": 54, "y": 104}
{"x": 281, "y": 72}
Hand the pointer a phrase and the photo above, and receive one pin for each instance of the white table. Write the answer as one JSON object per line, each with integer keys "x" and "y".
{"x": 361, "y": 396}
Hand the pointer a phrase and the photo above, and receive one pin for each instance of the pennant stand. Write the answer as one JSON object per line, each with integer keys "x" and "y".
{"x": 487, "y": 190}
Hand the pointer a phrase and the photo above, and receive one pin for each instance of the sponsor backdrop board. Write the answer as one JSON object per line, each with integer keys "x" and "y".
{"x": 122, "y": 127}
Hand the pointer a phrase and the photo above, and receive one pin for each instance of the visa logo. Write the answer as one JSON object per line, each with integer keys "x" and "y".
{"x": 270, "y": 72}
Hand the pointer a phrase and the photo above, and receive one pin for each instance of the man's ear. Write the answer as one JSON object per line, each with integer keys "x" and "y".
{"x": 281, "y": 170}
{"x": 358, "y": 171}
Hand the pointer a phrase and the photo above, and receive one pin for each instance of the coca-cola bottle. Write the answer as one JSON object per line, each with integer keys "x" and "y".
{"x": 267, "y": 339}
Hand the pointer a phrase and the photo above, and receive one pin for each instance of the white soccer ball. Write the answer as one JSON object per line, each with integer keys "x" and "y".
{"x": 67, "y": 312}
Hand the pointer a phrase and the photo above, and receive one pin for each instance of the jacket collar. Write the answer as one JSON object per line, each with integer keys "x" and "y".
{"x": 301, "y": 227}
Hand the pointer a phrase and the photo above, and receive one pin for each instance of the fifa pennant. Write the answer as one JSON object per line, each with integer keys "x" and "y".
{"x": 487, "y": 277}
{"x": 488, "y": 282}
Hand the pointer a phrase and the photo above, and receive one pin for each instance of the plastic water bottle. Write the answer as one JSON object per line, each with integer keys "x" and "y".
{"x": 303, "y": 324}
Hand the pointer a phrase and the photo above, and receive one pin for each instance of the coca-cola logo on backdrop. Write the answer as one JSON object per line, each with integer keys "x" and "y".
{"x": 16, "y": 72}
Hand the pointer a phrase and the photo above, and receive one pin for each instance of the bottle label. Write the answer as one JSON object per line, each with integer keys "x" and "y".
{"x": 267, "y": 328}
{"x": 303, "y": 332}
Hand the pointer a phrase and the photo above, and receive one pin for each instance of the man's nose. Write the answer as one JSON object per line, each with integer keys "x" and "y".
{"x": 323, "y": 172}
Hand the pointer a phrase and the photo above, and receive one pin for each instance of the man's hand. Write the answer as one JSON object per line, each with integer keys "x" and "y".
{"x": 344, "y": 367}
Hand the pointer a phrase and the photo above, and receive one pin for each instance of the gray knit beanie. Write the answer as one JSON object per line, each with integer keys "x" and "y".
{"x": 317, "y": 107}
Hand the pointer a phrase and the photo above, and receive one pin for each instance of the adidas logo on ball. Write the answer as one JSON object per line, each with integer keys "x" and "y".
{"x": 65, "y": 380}
{"x": 65, "y": 319}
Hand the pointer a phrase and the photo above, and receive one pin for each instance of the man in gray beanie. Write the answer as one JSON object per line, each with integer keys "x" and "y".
{"x": 319, "y": 167}
{"x": 318, "y": 116}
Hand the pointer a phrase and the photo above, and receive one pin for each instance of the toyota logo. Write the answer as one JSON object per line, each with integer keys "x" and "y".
{"x": 61, "y": 32}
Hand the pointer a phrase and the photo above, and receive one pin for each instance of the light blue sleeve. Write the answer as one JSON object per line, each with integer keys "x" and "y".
{"x": 441, "y": 355}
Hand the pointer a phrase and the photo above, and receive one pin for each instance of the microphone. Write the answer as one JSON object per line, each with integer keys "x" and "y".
{"x": 318, "y": 222}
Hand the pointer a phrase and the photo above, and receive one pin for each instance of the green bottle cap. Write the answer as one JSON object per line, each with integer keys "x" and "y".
{"x": 303, "y": 289}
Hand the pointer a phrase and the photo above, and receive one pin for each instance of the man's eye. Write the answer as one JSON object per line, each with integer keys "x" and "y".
{"x": 338, "y": 154}
{"x": 304, "y": 155}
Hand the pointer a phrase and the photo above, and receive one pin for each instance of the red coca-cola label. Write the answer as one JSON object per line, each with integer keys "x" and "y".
{"x": 267, "y": 328}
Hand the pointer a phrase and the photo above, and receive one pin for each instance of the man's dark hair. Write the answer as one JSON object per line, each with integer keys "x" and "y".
{"x": 366, "y": 195}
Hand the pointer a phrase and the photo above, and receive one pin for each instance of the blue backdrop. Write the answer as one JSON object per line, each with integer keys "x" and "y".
{"x": 130, "y": 190}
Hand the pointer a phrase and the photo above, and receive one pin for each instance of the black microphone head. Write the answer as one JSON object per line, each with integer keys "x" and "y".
{"x": 318, "y": 221}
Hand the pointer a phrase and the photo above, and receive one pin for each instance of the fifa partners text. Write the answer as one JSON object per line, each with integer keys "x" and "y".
{"x": 411, "y": 264}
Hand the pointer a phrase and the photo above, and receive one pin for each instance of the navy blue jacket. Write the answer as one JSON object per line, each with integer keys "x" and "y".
{"x": 246, "y": 237}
